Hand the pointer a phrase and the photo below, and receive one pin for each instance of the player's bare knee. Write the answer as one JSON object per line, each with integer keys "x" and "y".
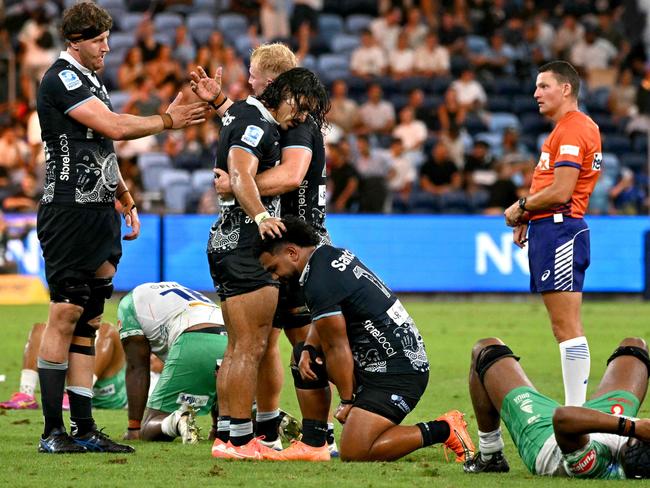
{"x": 37, "y": 328}
{"x": 64, "y": 316}
{"x": 635, "y": 342}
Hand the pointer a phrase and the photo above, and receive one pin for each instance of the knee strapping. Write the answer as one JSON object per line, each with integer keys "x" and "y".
{"x": 637, "y": 352}
{"x": 321, "y": 381}
{"x": 490, "y": 355}
{"x": 81, "y": 349}
{"x": 71, "y": 291}
{"x": 100, "y": 290}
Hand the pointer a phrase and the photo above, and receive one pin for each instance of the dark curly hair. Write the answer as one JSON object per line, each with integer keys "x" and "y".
{"x": 298, "y": 232}
{"x": 85, "y": 20}
{"x": 636, "y": 461}
{"x": 303, "y": 86}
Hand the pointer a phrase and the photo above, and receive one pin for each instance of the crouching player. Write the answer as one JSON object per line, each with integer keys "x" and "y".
{"x": 598, "y": 440}
{"x": 373, "y": 351}
{"x": 109, "y": 390}
{"x": 185, "y": 330}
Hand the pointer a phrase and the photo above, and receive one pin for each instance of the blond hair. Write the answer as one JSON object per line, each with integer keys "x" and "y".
{"x": 273, "y": 59}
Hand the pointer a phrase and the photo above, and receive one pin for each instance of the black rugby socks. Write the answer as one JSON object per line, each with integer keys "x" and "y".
{"x": 81, "y": 415}
{"x": 314, "y": 432}
{"x": 52, "y": 378}
{"x": 434, "y": 432}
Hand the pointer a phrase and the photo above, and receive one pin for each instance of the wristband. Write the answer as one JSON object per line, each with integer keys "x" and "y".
{"x": 261, "y": 217}
{"x": 218, "y": 106}
{"x": 134, "y": 424}
{"x": 348, "y": 402}
{"x": 522, "y": 204}
{"x": 626, "y": 427}
{"x": 168, "y": 122}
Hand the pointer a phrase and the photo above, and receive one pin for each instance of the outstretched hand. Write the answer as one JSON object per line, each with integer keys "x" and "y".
{"x": 206, "y": 88}
{"x": 185, "y": 115}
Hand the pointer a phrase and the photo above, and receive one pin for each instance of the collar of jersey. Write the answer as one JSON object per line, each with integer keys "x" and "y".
{"x": 305, "y": 272}
{"x": 265, "y": 113}
{"x": 68, "y": 57}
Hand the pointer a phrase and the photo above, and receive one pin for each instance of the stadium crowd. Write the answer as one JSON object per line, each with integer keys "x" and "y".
{"x": 432, "y": 106}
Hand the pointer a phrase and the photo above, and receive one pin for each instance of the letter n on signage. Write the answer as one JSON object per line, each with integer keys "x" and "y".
{"x": 501, "y": 255}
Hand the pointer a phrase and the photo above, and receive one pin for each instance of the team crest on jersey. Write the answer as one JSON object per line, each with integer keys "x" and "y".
{"x": 252, "y": 135}
{"x": 544, "y": 161}
{"x": 70, "y": 79}
{"x": 227, "y": 119}
{"x": 598, "y": 161}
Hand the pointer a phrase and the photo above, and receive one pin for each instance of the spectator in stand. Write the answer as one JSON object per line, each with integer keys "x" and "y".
{"x": 426, "y": 114}
{"x": 274, "y": 23}
{"x": 234, "y": 70}
{"x": 497, "y": 60}
{"x": 7, "y": 264}
{"x": 368, "y": 59}
{"x": 511, "y": 150}
{"x": 452, "y": 34}
{"x": 192, "y": 152}
{"x": 376, "y": 115}
{"x": 439, "y": 176}
{"x": 306, "y": 12}
{"x": 401, "y": 59}
{"x": 453, "y": 140}
{"x": 372, "y": 166}
{"x": 216, "y": 46}
{"x": 502, "y": 192}
{"x": 469, "y": 92}
{"x": 164, "y": 66}
{"x": 545, "y": 31}
{"x": 205, "y": 60}
{"x": 414, "y": 28}
{"x": 531, "y": 53}
{"x": 344, "y": 112}
{"x": 184, "y": 49}
{"x": 146, "y": 39}
{"x": 431, "y": 59}
{"x": 144, "y": 100}
{"x": 386, "y": 28}
{"x": 131, "y": 69}
{"x": 622, "y": 96}
{"x": 36, "y": 161}
{"x": 592, "y": 51}
{"x": 568, "y": 35}
{"x": 479, "y": 164}
{"x": 26, "y": 198}
{"x": 401, "y": 174}
{"x": 7, "y": 188}
{"x": 411, "y": 131}
{"x": 640, "y": 123}
{"x": 342, "y": 181}
{"x": 451, "y": 114}
{"x": 626, "y": 196}
{"x": 611, "y": 29}
{"x": 14, "y": 152}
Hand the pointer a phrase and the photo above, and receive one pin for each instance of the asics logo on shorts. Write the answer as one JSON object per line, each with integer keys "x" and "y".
{"x": 546, "y": 274}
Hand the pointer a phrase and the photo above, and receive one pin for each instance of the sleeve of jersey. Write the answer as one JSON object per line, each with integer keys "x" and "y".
{"x": 66, "y": 90}
{"x": 251, "y": 138}
{"x": 595, "y": 460}
{"x": 571, "y": 148}
{"x": 127, "y": 320}
{"x": 325, "y": 290}
{"x": 297, "y": 137}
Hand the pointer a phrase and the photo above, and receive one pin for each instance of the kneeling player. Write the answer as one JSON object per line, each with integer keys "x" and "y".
{"x": 185, "y": 330}
{"x": 109, "y": 390}
{"x": 373, "y": 351}
{"x": 597, "y": 440}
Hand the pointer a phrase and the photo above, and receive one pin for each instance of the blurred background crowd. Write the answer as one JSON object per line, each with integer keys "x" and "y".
{"x": 432, "y": 101}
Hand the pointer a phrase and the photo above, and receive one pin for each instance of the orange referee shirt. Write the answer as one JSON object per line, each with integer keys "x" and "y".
{"x": 575, "y": 142}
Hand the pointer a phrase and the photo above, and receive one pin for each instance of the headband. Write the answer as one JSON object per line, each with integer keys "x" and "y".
{"x": 85, "y": 34}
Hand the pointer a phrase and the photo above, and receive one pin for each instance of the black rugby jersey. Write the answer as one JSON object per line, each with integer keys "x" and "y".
{"x": 247, "y": 125}
{"x": 382, "y": 335}
{"x": 308, "y": 200}
{"x": 81, "y": 165}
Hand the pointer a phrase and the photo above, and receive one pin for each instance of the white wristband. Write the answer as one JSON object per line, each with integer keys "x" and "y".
{"x": 261, "y": 217}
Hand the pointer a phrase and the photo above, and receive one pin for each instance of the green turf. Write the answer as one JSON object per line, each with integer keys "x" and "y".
{"x": 449, "y": 330}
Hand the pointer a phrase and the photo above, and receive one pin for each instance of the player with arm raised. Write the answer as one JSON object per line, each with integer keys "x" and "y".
{"x": 78, "y": 226}
{"x": 552, "y": 214}
{"x": 185, "y": 330}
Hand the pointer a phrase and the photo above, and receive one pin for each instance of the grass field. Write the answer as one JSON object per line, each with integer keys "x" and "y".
{"x": 449, "y": 330}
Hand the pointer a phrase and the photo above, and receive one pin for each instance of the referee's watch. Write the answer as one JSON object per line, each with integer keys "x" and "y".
{"x": 522, "y": 204}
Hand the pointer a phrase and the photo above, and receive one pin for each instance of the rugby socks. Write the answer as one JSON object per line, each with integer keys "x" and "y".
{"x": 576, "y": 363}
{"x": 52, "y": 378}
{"x": 223, "y": 428}
{"x": 490, "y": 443}
{"x": 28, "y": 381}
{"x": 169, "y": 425}
{"x": 81, "y": 414}
{"x": 314, "y": 432}
{"x": 268, "y": 424}
{"x": 241, "y": 431}
{"x": 330, "y": 433}
{"x": 434, "y": 432}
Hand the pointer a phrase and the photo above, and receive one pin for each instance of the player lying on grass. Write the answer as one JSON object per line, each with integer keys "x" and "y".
{"x": 185, "y": 330}
{"x": 373, "y": 351}
{"x": 597, "y": 440}
{"x": 109, "y": 390}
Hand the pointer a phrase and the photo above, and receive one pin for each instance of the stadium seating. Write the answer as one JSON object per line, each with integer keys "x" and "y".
{"x": 615, "y": 143}
{"x": 333, "y": 66}
{"x": 232, "y": 25}
{"x": 499, "y": 103}
{"x": 176, "y": 185}
{"x": 499, "y": 121}
{"x": 494, "y": 139}
{"x": 524, "y": 104}
{"x": 477, "y": 44}
{"x": 344, "y": 43}
{"x": 200, "y": 21}
{"x": 202, "y": 180}
{"x": 506, "y": 86}
{"x": 151, "y": 165}
{"x": 130, "y": 22}
{"x": 635, "y": 161}
{"x": 119, "y": 99}
{"x": 330, "y": 25}
{"x": 120, "y": 41}
{"x": 166, "y": 21}
{"x": 355, "y": 23}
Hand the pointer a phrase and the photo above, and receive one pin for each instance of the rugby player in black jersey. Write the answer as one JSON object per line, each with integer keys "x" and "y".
{"x": 78, "y": 226}
{"x": 371, "y": 348}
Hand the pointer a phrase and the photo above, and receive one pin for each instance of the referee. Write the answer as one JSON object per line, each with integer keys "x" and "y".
{"x": 78, "y": 226}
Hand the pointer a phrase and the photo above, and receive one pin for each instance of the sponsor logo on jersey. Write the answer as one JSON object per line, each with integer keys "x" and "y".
{"x": 598, "y": 162}
{"x": 617, "y": 409}
{"x": 585, "y": 463}
{"x": 343, "y": 261}
{"x": 569, "y": 150}
{"x": 544, "y": 161}
{"x": 533, "y": 419}
{"x": 381, "y": 339}
{"x": 70, "y": 79}
{"x": 398, "y": 313}
{"x": 302, "y": 199}
{"x": 322, "y": 195}
{"x": 193, "y": 400}
{"x": 400, "y": 403}
{"x": 65, "y": 157}
{"x": 526, "y": 406}
{"x": 252, "y": 135}
{"x": 107, "y": 390}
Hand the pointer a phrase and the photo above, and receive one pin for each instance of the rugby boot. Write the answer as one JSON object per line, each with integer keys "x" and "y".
{"x": 299, "y": 451}
{"x": 220, "y": 449}
{"x": 253, "y": 450}
{"x": 496, "y": 463}
{"x": 20, "y": 401}
{"x": 187, "y": 427}
{"x": 97, "y": 441}
{"x": 290, "y": 427}
{"x": 331, "y": 444}
{"x": 276, "y": 444}
{"x": 459, "y": 439}
{"x": 65, "y": 403}
{"x": 59, "y": 442}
